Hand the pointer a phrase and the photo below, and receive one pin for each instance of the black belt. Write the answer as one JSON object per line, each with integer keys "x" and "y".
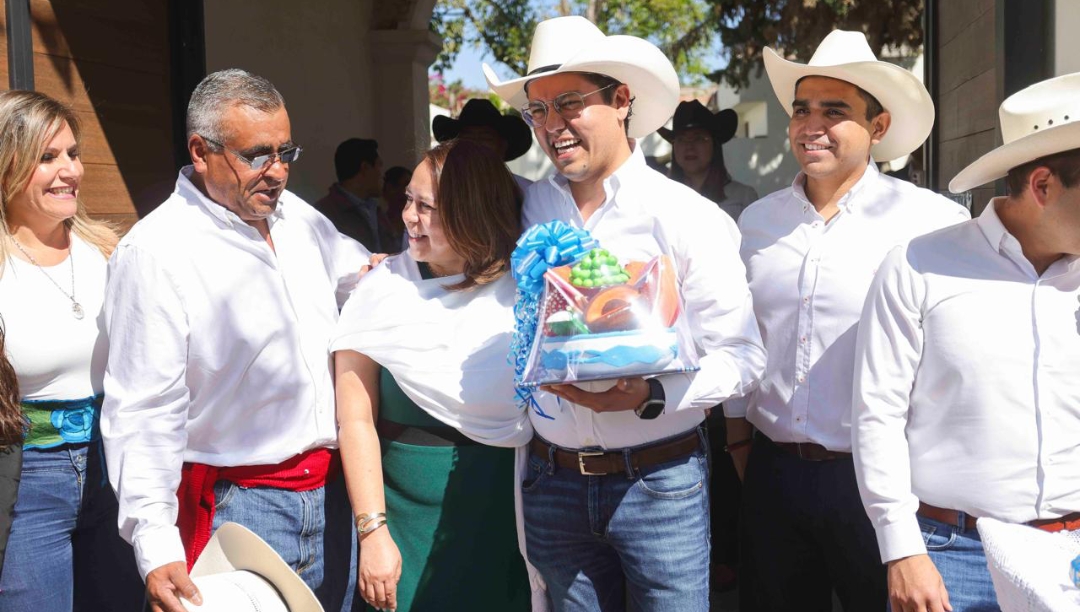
{"x": 422, "y": 435}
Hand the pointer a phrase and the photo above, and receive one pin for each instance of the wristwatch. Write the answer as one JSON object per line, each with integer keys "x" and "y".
{"x": 654, "y": 405}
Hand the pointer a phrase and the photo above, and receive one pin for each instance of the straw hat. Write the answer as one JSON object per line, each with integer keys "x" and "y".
{"x": 574, "y": 44}
{"x": 239, "y": 572}
{"x": 847, "y": 56}
{"x": 1037, "y": 121}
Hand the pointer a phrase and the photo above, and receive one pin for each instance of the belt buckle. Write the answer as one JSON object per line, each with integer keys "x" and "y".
{"x": 581, "y": 456}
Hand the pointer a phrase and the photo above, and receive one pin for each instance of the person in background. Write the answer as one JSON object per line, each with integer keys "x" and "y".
{"x": 426, "y": 402}
{"x": 479, "y": 121}
{"x": 395, "y": 180}
{"x": 697, "y": 140}
{"x": 12, "y": 427}
{"x": 64, "y": 552}
{"x": 352, "y": 203}
{"x": 697, "y": 137}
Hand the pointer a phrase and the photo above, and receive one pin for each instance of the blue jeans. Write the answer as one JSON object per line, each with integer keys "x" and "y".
{"x": 596, "y": 539}
{"x": 311, "y": 530}
{"x": 65, "y": 551}
{"x": 959, "y": 557}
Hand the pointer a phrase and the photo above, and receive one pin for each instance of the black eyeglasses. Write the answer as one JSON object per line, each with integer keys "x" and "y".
{"x": 569, "y": 105}
{"x": 262, "y": 161}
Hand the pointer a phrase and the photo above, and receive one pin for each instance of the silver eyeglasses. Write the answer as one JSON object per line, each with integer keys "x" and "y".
{"x": 262, "y": 161}
{"x": 569, "y": 105}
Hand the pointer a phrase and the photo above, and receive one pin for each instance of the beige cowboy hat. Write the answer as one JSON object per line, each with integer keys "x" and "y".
{"x": 574, "y": 44}
{"x": 239, "y": 572}
{"x": 1037, "y": 121}
{"x": 847, "y": 56}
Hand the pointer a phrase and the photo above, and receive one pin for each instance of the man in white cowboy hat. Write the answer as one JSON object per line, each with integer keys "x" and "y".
{"x": 811, "y": 251}
{"x": 616, "y": 498}
{"x": 967, "y": 402}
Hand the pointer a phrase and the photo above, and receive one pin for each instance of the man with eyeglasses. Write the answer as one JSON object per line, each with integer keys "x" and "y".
{"x": 615, "y": 497}
{"x": 219, "y": 310}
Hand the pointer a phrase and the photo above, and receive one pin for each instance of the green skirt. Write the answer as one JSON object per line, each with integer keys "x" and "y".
{"x": 451, "y": 514}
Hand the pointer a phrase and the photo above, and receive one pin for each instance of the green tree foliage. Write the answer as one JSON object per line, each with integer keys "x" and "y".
{"x": 685, "y": 30}
{"x": 504, "y": 28}
{"x": 795, "y": 27}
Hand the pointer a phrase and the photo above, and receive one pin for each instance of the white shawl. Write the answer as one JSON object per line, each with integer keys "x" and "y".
{"x": 448, "y": 351}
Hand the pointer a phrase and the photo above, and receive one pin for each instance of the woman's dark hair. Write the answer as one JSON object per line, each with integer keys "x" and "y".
{"x": 480, "y": 206}
{"x": 12, "y": 425}
{"x": 718, "y": 177}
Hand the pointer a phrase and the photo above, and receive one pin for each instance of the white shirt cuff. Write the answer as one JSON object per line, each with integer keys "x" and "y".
{"x": 676, "y": 386}
{"x": 159, "y": 546}
{"x": 900, "y": 539}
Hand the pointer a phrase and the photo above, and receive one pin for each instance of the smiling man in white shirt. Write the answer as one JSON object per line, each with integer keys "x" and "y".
{"x": 967, "y": 400}
{"x": 616, "y": 497}
{"x": 219, "y": 310}
{"x": 810, "y": 253}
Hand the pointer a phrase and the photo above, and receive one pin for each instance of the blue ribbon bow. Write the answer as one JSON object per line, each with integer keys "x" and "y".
{"x": 544, "y": 246}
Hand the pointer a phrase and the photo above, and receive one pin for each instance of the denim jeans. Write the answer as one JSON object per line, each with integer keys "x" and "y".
{"x": 65, "y": 551}
{"x": 959, "y": 558}
{"x": 597, "y": 539}
{"x": 311, "y": 530}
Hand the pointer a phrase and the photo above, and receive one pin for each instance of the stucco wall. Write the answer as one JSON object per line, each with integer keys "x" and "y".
{"x": 1066, "y": 40}
{"x": 317, "y": 55}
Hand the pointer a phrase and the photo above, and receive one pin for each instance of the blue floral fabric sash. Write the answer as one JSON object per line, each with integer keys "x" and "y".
{"x": 56, "y": 422}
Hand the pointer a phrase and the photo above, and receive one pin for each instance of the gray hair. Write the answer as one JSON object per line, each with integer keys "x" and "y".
{"x": 221, "y": 90}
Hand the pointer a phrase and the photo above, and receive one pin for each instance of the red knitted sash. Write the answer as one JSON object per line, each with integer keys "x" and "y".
{"x": 304, "y": 472}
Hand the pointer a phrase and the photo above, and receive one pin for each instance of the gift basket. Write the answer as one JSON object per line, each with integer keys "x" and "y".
{"x": 584, "y": 313}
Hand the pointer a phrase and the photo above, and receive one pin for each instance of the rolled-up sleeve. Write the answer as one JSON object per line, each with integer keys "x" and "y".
{"x": 887, "y": 353}
{"x": 720, "y": 315}
{"x": 146, "y": 402}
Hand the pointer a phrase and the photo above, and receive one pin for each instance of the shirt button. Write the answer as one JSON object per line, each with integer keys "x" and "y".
{"x": 803, "y": 340}
{"x": 306, "y": 471}
{"x": 806, "y": 300}
{"x": 801, "y": 378}
{"x": 798, "y": 419}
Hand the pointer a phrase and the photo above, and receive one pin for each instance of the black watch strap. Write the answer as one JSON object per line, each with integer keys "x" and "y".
{"x": 654, "y": 405}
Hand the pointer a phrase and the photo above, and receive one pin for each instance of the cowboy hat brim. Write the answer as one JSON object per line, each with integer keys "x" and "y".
{"x": 233, "y": 547}
{"x": 997, "y": 163}
{"x": 654, "y": 86}
{"x": 514, "y": 130}
{"x": 898, "y": 91}
{"x": 722, "y": 127}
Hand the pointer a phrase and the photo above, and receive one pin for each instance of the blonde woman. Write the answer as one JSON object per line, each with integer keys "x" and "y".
{"x": 65, "y": 551}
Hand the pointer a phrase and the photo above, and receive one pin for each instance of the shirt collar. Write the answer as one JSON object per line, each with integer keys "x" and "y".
{"x": 1006, "y": 244}
{"x": 623, "y": 175}
{"x": 849, "y": 201}
{"x": 186, "y": 189}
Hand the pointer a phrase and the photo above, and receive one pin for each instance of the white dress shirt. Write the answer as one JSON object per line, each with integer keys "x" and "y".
{"x": 218, "y": 350}
{"x": 645, "y": 214}
{"x": 966, "y": 388}
{"x": 809, "y": 279}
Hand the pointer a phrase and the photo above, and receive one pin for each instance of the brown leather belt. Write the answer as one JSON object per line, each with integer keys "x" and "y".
{"x": 809, "y": 451}
{"x": 602, "y": 463}
{"x": 1069, "y": 522}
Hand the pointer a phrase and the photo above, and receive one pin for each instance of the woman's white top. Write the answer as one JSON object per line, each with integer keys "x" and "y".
{"x": 55, "y": 355}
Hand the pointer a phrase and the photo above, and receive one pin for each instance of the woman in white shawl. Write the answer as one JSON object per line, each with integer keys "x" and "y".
{"x": 425, "y": 397}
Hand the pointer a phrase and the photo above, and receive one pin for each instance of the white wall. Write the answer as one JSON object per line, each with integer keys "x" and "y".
{"x": 317, "y": 55}
{"x": 764, "y": 162}
{"x": 1066, "y": 37}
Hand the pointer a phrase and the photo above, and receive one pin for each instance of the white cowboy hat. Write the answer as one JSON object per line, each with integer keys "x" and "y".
{"x": 239, "y": 572}
{"x": 574, "y": 44}
{"x": 847, "y": 56}
{"x": 1037, "y": 121}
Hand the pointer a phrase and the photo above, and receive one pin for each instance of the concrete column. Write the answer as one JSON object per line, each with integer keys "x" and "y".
{"x": 400, "y": 61}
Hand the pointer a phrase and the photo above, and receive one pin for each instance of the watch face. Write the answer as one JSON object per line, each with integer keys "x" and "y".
{"x": 650, "y": 409}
